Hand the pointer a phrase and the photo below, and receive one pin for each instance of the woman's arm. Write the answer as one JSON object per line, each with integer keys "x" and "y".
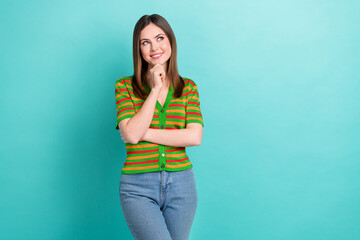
{"x": 190, "y": 136}
{"x": 133, "y": 129}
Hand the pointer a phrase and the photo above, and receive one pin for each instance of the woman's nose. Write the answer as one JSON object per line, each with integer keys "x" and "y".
{"x": 154, "y": 47}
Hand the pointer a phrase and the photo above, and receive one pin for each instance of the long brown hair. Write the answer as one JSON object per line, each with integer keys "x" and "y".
{"x": 140, "y": 65}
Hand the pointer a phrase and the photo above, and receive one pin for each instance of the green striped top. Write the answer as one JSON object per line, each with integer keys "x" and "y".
{"x": 175, "y": 114}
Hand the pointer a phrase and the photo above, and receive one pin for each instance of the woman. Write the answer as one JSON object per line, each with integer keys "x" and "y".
{"x": 158, "y": 115}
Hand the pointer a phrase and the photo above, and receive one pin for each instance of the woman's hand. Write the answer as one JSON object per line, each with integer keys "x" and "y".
{"x": 158, "y": 76}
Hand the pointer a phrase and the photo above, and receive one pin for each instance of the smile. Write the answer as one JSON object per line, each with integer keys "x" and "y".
{"x": 156, "y": 55}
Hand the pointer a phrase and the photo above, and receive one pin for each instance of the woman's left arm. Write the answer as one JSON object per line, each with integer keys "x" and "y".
{"x": 190, "y": 136}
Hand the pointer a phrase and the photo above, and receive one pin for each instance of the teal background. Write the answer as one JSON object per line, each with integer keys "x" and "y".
{"x": 279, "y": 89}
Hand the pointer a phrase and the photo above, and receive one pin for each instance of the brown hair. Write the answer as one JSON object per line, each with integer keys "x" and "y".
{"x": 140, "y": 65}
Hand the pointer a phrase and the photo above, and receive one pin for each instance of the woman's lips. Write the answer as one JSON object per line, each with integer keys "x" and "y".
{"x": 156, "y": 56}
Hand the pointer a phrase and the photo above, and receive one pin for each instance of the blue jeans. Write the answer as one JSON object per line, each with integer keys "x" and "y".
{"x": 159, "y": 205}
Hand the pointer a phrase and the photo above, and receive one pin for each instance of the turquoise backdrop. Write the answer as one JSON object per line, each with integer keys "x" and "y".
{"x": 279, "y": 85}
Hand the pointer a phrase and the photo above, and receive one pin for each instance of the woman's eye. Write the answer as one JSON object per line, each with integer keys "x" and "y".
{"x": 143, "y": 43}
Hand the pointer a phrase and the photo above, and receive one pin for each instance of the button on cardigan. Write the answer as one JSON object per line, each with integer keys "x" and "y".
{"x": 175, "y": 114}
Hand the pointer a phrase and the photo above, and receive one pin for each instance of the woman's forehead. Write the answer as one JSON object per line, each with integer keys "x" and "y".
{"x": 151, "y": 31}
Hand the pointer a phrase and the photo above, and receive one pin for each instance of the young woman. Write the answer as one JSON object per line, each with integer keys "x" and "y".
{"x": 158, "y": 115}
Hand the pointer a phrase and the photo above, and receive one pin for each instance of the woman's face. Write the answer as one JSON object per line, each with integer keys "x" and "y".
{"x": 153, "y": 41}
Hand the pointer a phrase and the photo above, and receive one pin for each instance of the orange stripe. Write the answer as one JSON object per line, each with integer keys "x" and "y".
{"x": 123, "y": 105}
{"x": 142, "y": 157}
{"x": 175, "y": 111}
{"x": 193, "y": 108}
{"x": 178, "y": 101}
{"x": 179, "y": 165}
{"x": 142, "y": 146}
{"x": 176, "y": 155}
{"x": 135, "y": 98}
{"x": 193, "y": 97}
{"x": 124, "y": 114}
{"x": 193, "y": 118}
{"x": 175, "y": 123}
{"x": 119, "y": 84}
{"x": 139, "y": 168}
{"x": 187, "y": 87}
{"x": 121, "y": 95}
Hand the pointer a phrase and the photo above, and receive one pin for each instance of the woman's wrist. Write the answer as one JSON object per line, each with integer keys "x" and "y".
{"x": 146, "y": 136}
{"x": 156, "y": 89}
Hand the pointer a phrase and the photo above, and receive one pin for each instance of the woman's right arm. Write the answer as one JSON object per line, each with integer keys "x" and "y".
{"x": 133, "y": 129}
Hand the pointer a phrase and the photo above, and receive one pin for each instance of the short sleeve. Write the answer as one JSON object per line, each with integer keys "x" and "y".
{"x": 124, "y": 105}
{"x": 193, "y": 112}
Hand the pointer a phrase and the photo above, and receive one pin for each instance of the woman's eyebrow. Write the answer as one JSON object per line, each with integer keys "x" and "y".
{"x": 154, "y": 37}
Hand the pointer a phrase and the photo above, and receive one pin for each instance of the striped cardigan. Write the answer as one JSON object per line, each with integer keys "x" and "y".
{"x": 175, "y": 114}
